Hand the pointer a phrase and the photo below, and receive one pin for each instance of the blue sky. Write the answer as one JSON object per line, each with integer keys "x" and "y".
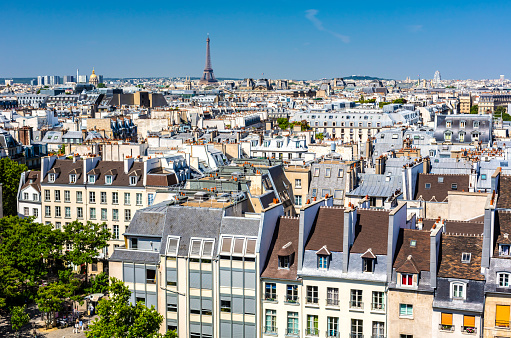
{"x": 282, "y": 39}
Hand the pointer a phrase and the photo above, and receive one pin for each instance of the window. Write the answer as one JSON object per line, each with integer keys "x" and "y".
{"x": 338, "y": 194}
{"x": 151, "y": 276}
{"x": 127, "y": 198}
{"x": 57, "y": 195}
{"x": 440, "y": 180}
{"x": 328, "y": 172}
{"x": 378, "y": 330}
{"x": 413, "y": 243}
{"x": 284, "y": 262}
{"x": 139, "y": 198}
{"x": 405, "y": 336}
{"x": 298, "y": 199}
{"x": 115, "y": 198}
{"x": 312, "y": 294}
{"x": 483, "y": 176}
{"x": 406, "y": 279}
{"x": 172, "y": 305}
{"x": 35, "y": 212}
{"x": 316, "y": 172}
{"x": 428, "y": 186}
{"x": 25, "y": 195}
{"x": 104, "y": 214}
{"x": 454, "y": 186}
{"x": 503, "y": 278}
{"x": 465, "y": 257}
{"x": 134, "y": 243}
{"x": 67, "y": 212}
{"x": 357, "y": 328}
{"x": 314, "y": 192}
{"x": 406, "y": 310}
{"x": 225, "y": 305}
{"x": 79, "y": 212}
{"x": 115, "y": 214}
{"x": 270, "y": 291}
{"x": 92, "y": 197}
{"x": 58, "y": 225}
{"x": 72, "y": 178}
{"x": 502, "y": 316}
{"x": 461, "y": 136}
{"x": 67, "y": 196}
{"x": 462, "y": 124}
{"x": 57, "y": 211}
{"x": 270, "y": 321}
{"x": 368, "y": 264}
{"x": 26, "y": 211}
{"x": 332, "y": 327}
{"x": 340, "y": 173}
{"x": 469, "y": 324}
{"x": 322, "y": 262}
{"x": 377, "y": 303}
{"x": 92, "y": 179}
{"x": 79, "y": 197}
{"x": 448, "y": 136}
{"x": 133, "y": 180}
{"x": 446, "y": 322}
{"x": 108, "y": 179}
{"x": 292, "y": 324}
{"x": 356, "y": 299}
{"x": 92, "y": 213}
{"x": 332, "y": 296}
{"x": 115, "y": 231}
{"x": 312, "y": 325}
{"x": 476, "y": 124}
{"x": 127, "y": 215}
{"x": 504, "y": 249}
{"x": 103, "y": 197}
{"x": 458, "y": 290}
{"x": 298, "y": 183}
{"x": 395, "y": 136}
{"x": 292, "y": 293}
{"x": 448, "y": 124}
{"x": 51, "y": 178}
{"x": 150, "y": 199}
{"x": 35, "y": 197}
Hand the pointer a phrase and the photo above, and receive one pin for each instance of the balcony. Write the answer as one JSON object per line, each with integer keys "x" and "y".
{"x": 448, "y": 328}
{"x": 356, "y": 305}
{"x": 292, "y": 299}
{"x": 469, "y": 329}
{"x": 332, "y": 334}
{"x": 312, "y": 300}
{"x": 332, "y": 302}
{"x": 270, "y": 330}
{"x": 312, "y": 332}
{"x": 377, "y": 307}
{"x": 292, "y": 332}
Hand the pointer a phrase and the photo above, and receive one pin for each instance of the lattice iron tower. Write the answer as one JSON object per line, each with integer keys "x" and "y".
{"x": 208, "y": 77}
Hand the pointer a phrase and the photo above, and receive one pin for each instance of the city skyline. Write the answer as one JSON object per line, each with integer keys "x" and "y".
{"x": 302, "y": 41}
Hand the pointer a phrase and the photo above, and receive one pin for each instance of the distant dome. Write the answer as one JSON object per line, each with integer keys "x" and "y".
{"x": 94, "y": 80}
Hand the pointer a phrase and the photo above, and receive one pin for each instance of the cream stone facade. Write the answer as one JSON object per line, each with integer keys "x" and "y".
{"x": 419, "y": 323}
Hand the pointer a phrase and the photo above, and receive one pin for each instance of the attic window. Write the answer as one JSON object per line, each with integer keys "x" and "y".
{"x": 428, "y": 186}
{"x": 413, "y": 243}
{"x": 108, "y": 179}
{"x": 92, "y": 179}
{"x": 72, "y": 178}
{"x": 368, "y": 264}
{"x": 504, "y": 250}
{"x": 284, "y": 262}
{"x": 465, "y": 257}
{"x": 440, "y": 180}
{"x": 454, "y": 186}
{"x": 322, "y": 262}
{"x": 51, "y": 178}
{"x": 133, "y": 180}
{"x": 172, "y": 246}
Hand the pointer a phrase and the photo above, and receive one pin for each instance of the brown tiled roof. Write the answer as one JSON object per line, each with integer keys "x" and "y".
{"x": 464, "y": 228}
{"x": 161, "y": 180}
{"x": 502, "y": 230}
{"x": 419, "y": 252}
{"x": 64, "y": 167}
{"x": 504, "y": 200}
{"x": 371, "y": 231}
{"x": 323, "y": 251}
{"x": 450, "y": 265}
{"x": 328, "y": 229}
{"x": 427, "y": 223}
{"x": 368, "y": 254}
{"x": 439, "y": 190}
{"x": 409, "y": 266}
{"x": 34, "y": 176}
{"x": 286, "y": 231}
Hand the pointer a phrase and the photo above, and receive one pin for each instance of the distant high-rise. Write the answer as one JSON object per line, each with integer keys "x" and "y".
{"x": 208, "y": 77}
{"x": 437, "y": 78}
{"x": 54, "y": 80}
{"x": 83, "y": 78}
{"x": 40, "y": 80}
{"x": 502, "y": 78}
{"x": 69, "y": 78}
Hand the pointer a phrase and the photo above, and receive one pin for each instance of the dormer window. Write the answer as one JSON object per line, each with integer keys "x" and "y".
{"x": 92, "y": 178}
{"x": 133, "y": 180}
{"x": 72, "y": 178}
{"x": 368, "y": 264}
{"x": 458, "y": 290}
{"x": 448, "y": 124}
{"x": 406, "y": 279}
{"x": 503, "y": 249}
{"x": 284, "y": 262}
{"x": 503, "y": 278}
{"x": 108, "y": 179}
{"x": 465, "y": 257}
{"x": 51, "y": 178}
{"x": 322, "y": 262}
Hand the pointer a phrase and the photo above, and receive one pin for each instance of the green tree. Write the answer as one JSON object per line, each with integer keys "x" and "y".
{"x": 19, "y": 317}
{"x": 381, "y": 104}
{"x": 98, "y": 284}
{"x": 117, "y": 318}
{"x": 50, "y": 299}
{"x": 10, "y": 173}
{"x": 283, "y": 123}
{"x": 474, "y": 109}
{"x": 27, "y": 251}
{"x": 320, "y": 136}
{"x": 101, "y": 85}
{"x": 401, "y": 101}
{"x": 85, "y": 240}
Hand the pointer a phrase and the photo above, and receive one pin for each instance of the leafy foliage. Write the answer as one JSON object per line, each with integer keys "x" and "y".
{"x": 320, "y": 136}
{"x": 10, "y": 173}
{"x": 283, "y": 123}
{"x": 474, "y": 109}
{"x": 19, "y": 317}
{"x": 101, "y": 85}
{"x": 98, "y": 284}
{"x": 50, "y": 299}
{"x": 118, "y": 318}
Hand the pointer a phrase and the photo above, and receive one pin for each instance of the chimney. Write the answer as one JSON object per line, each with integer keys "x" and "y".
{"x": 434, "y": 247}
{"x": 128, "y": 162}
{"x": 369, "y": 148}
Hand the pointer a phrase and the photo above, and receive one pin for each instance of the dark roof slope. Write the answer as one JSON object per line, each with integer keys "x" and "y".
{"x": 437, "y": 188}
{"x": 328, "y": 229}
{"x": 502, "y": 230}
{"x": 504, "y": 200}
{"x": 450, "y": 265}
{"x": 34, "y": 177}
{"x": 286, "y": 231}
{"x": 372, "y": 230}
{"x": 419, "y": 253}
{"x": 64, "y": 168}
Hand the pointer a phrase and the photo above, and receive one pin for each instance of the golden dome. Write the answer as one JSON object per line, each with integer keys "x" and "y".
{"x": 93, "y": 76}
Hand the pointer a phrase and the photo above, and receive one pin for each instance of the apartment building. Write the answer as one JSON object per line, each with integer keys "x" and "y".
{"x": 107, "y": 192}
{"x": 299, "y": 177}
{"x": 29, "y": 195}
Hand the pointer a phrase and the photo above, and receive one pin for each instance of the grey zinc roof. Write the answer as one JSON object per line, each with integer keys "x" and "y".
{"x": 149, "y": 221}
{"x": 138, "y": 256}
{"x": 377, "y": 185}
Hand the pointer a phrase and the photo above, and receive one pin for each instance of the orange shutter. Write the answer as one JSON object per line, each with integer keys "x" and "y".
{"x": 502, "y": 316}
{"x": 469, "y": 321}
{"x": 446, "y": 318}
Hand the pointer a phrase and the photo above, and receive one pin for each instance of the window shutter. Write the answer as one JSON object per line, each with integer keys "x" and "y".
{"x": 502, "y": 317}
{"x": 469, "y": 321}
{"x": 446, "y": 318}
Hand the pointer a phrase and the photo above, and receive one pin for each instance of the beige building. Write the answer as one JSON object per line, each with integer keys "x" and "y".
{"x": 300, "y": 178}
{"x": 465, "y": 104}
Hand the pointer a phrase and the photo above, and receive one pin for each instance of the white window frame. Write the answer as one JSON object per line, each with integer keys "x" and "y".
{"x": 72, "y": 178}
{"x": 453, "y": 292}
{"x": 133, "y": 180}
{"x": 203, "y": 241}
{"x": 51, "y": 178}
{"x": 466, "y": 257}
{"x": 506, "y": 276}
{"x": 109, "y": 179}
{"x": 91, "y": 179}
{"x": 169, "y": 238}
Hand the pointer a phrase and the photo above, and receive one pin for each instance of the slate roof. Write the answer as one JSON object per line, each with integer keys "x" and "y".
{"x": 438, "y": 189}
{"x": 148, "y": 222}
{"x": 374, "y": 185}
{"x": 452, "y": 247}
{"x": 502, "y": 230}
{"x": 419, "y": 253}
{"x": 371, "y": 229}
{"x": 32, "y": 175}
{"x": 504, "y": 200}
{"x": 137, "y": 256}
{"x": 327, "y": 229}
{"x": 286, "y": 231}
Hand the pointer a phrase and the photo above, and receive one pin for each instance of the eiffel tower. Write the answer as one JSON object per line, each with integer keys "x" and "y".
{"x": 208, "y": 77}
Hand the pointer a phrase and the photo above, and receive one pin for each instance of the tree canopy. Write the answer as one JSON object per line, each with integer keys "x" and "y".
{"x": 283, "y": 123}
{"x": 474, "y": 109}
{"x": 10, "y": 173}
